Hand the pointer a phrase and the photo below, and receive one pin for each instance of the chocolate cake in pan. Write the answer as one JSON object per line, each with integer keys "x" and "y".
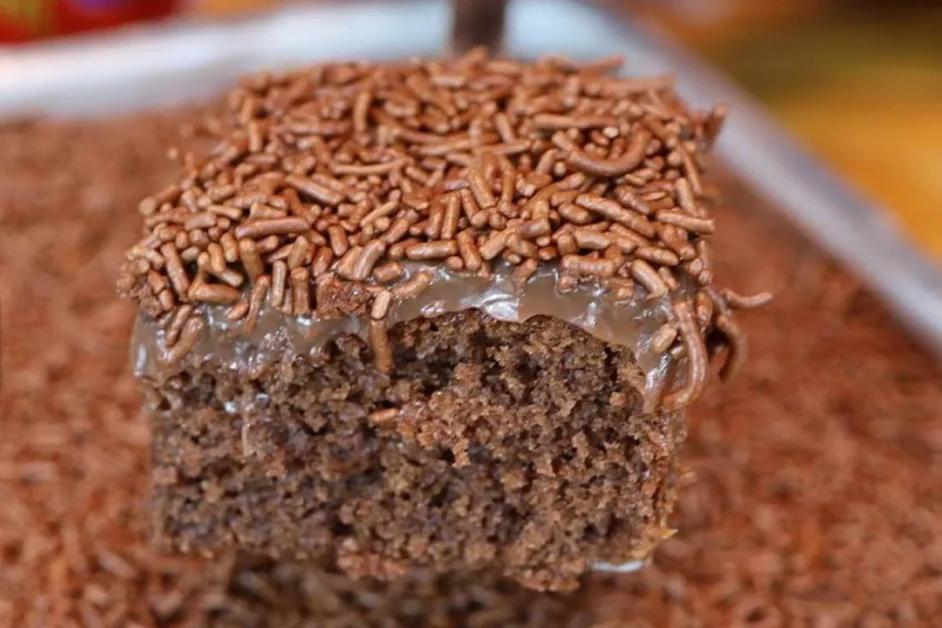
{"x": 436, "y": 314}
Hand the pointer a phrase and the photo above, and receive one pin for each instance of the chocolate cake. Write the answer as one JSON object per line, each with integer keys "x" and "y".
{"x": 441, "y": 315}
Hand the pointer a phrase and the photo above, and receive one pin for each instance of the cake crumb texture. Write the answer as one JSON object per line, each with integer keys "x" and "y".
{"x": 519, "y": 446}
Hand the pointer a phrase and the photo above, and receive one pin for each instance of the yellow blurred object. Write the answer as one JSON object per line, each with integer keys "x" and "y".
{"x": 234, "y": 6}
{"x": 887, "y": 142}
{"x": 862, "y": 88}
{"x": 704, "y": 22}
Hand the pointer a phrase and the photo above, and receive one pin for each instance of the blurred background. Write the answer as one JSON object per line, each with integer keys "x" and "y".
{"x": 859, "y": 81}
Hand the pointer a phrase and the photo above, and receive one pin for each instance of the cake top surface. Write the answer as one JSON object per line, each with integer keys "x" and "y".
{"x": 345, "y": 188}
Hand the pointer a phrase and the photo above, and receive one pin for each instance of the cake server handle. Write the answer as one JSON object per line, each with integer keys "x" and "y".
{"x": 628, "y": 567}
{"x": 478, "y": 23}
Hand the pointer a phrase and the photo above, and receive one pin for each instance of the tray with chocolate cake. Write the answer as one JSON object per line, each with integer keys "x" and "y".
{"x": 400, "y": 315}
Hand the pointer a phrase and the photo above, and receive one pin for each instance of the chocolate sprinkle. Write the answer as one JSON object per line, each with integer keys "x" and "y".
{"x": 369, "y": 164}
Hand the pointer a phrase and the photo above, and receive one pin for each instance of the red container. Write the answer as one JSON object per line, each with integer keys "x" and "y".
{"x": 28, "y": 20}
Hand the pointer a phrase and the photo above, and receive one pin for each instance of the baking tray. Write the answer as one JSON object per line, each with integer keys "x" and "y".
{"x": 154, "y": 66}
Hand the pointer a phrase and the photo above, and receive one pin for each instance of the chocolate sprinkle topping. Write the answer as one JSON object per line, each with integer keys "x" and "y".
{"x": 332, "y": 173}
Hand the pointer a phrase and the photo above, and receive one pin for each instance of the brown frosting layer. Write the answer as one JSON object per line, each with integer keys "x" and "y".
{"x": 633, "y": 322}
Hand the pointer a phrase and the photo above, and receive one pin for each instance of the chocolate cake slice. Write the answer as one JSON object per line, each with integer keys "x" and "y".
{"x": 439, "y": 314}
